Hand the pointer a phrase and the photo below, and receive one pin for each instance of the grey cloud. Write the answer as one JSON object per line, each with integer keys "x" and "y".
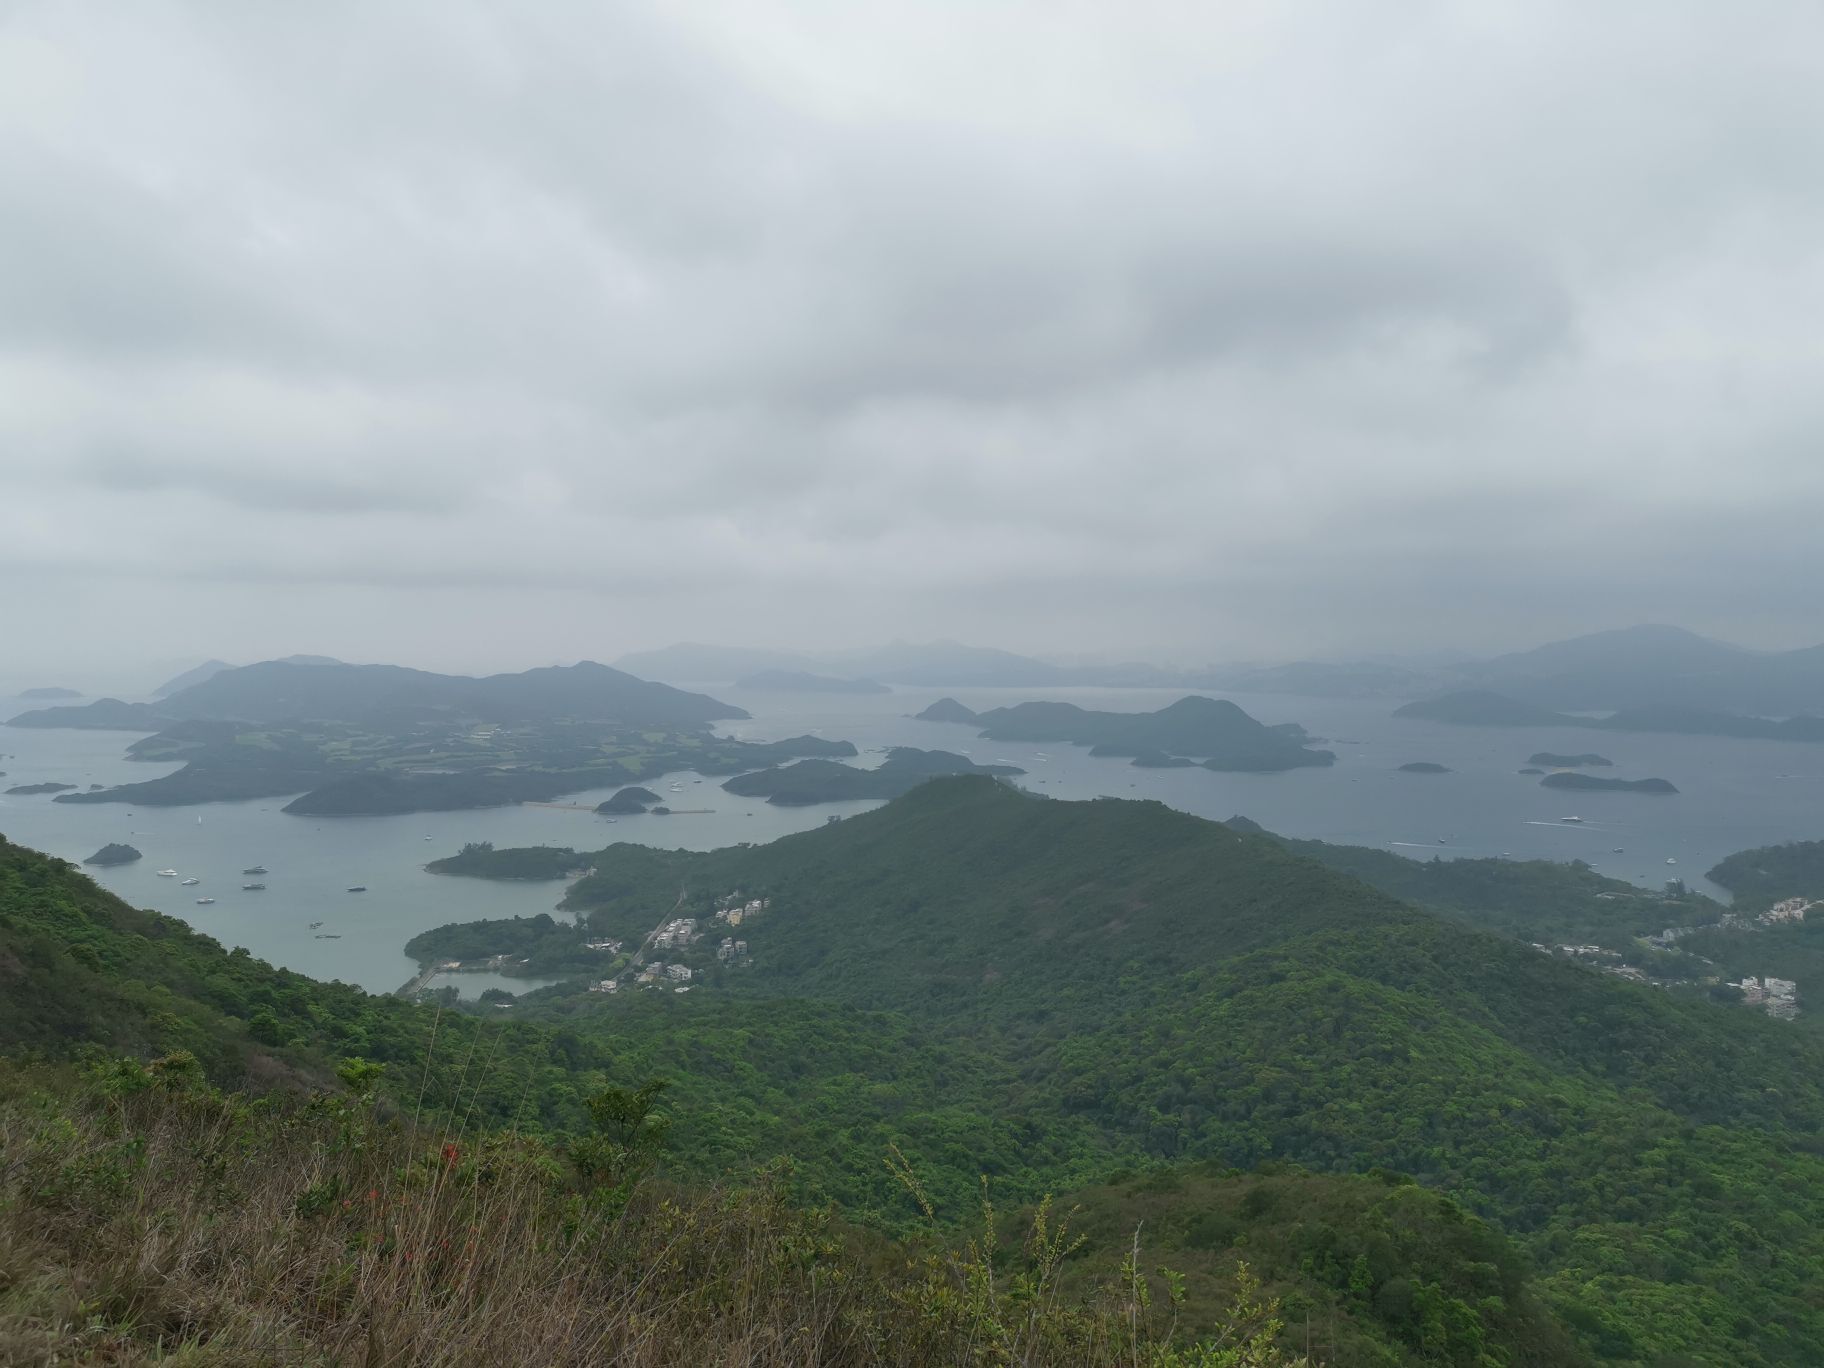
{"x": 1292, "y": 331}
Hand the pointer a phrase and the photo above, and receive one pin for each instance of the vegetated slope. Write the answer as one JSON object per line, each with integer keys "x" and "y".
{"x": 1127, "y": 980}
{"x": 1534, "y": 900}
{"x": 140, "y": 1211}
{"x": 80, "y": 969}
{"x": 1761, "y": 877}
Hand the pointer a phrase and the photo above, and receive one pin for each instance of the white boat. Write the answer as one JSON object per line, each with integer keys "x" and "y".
{"x": 1570, "y": 819}
{"x": 1670, "y": 860}
{"x": 191, "y": 883}
{"x": 167, "y": 873}
{"x": 204, "y": 902}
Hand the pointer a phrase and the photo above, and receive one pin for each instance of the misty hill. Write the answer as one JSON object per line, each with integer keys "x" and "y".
{"x": 825, "y": 781}
{"x": 275, "y": 691}
{"x": 946, "y": 710}
{"x": 1483, "y": 708}
{"x": 50, "y": 692}
{"x": 801, "y": 681}
{"x": 1215, "y": 730}
{"x": 1566, "y": 761}
{"x": 1658, "y": 666}
{"x": 195, "y": 675}
{"x": 104, "y": 714}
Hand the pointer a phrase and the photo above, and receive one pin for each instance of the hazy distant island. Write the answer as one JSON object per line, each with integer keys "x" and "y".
{"x": 1566, "y": 761}
{"x": 632, "y": 799}
{"x": 1532, "y": 769}
{"x": 1424, "y": 767}
{"x": 50, "y": 693}
{"x": 801, "y": 681}
{"x": 946, "y": 710}
{"x": 1480, "y": 707}
{"x": 104, "y": 714}
{"x": 824, "y": 781}
{"x": 113, "y": 854}
{"x": 1221, "y": 735}
{"x": 25, "y": 789}
{"x": 1590, "y": 783}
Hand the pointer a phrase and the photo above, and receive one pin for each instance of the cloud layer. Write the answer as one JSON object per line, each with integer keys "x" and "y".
{"x": 478, "y": 334}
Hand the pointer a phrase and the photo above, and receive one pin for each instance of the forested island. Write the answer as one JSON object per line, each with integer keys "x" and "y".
{"x": 1221, "y": 735}
{"x": 824, "y": 781}
{"x": 114, "y": 854}
{"x": 630, "y": 800}
{"x": 1592, "y": 783}
{"x": 24, "y": 790}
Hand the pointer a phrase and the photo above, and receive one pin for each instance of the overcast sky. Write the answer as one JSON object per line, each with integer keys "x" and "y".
{"x": 480, "y": 336}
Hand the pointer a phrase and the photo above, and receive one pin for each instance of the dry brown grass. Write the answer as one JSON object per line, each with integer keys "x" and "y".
{"x": 145, "y": 1218}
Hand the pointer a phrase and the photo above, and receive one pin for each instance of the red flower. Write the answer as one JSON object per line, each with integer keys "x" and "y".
{"x": 451, "y": 1154}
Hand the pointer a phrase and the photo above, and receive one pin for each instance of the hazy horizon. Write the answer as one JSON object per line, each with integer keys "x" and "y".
{"x": 474, "y": 340}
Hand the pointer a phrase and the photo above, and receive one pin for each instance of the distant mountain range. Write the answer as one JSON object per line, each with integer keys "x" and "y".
{"x": 282, "y": 691}
{"x": 1633, "y": 667}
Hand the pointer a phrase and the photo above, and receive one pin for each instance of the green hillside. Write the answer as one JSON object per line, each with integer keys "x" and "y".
{"x": 1084, "y": 983}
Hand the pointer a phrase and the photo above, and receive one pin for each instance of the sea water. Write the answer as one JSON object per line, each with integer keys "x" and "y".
{"x": 1733, "y": 794}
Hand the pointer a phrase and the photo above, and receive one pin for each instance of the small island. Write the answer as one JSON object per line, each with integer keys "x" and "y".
{"x": 1216, "y": 731}
{"x": 114, "y": 854}
{"x": 1556, "y": 761}
{"x": 479, "y": 860}
{"x": 1158, "y": 759}
{"x": 23, "y": 789}
{"x": 1532, "y": 769}
{"x": 628, "y": 801}
{"x": 50, "y": 693}
{"x": 800, "y": 681}
{"x": 1424, "y": 767}
{"x": 1590, "y": 783}
{"x": 826, "y": 781}
{"x": 946, "y": 710}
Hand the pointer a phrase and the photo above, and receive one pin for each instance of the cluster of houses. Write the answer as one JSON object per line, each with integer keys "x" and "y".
{"x": 666, "y": 973}
{"x": 1790, "y": 910}
{"x": 731, "y": 950}
{"x": 612, "y": 947}
{"x": 734, "y": 911}
{"x": 675, "y": 934}
{"x": 1779, "y": 997}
